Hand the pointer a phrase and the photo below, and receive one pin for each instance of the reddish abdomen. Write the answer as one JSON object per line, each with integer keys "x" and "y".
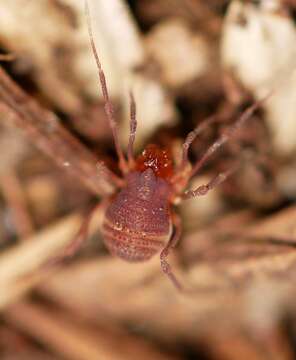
{"x": 129, "y": 245}
{"x": 134, "y": 228}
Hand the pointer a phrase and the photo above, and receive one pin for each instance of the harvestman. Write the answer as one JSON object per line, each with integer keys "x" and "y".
{"x": 140, "y": 220}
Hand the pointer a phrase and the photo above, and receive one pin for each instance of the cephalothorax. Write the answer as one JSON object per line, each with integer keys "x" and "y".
{"x": 140, "y": 221}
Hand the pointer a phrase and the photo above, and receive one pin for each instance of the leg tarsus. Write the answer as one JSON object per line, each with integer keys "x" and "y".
{"x": 165, "y": 266}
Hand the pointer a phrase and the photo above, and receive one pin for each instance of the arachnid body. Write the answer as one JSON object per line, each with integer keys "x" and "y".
{"x": 137, "y": 223}
{"x": 140, "y": 221}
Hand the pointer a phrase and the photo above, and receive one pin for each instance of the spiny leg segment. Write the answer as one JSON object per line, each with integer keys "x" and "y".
{"x": 133, "y": 129}
{"x": 214, "y": 182}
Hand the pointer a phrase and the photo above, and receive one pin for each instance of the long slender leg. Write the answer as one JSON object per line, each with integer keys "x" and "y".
{"x": 78, "y": 241}
{"x": 182, "y": 174}
{"x": 109, "y": 109}
{"x": 205, "y": 188}
{"x": 191, "y": 137}
{"x": 230, "y": 133}
{"x": 133, "y": 129}
{"x": 165, "y": 266}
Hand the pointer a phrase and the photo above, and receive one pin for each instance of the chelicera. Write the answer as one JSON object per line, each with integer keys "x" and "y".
{"x": 140, "y": 221}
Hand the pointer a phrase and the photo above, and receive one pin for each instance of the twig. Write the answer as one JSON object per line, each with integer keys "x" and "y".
{"x": 19, "y": 265}
{"x": 44, "y": 130}
{"x": 74, "y": 340}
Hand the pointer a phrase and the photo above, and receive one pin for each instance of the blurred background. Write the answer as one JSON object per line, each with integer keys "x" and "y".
{"x": 185, "y": 60}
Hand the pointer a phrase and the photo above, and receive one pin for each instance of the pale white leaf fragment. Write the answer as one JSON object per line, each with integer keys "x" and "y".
{"x": 259, "y": 47}
{"x": 181, "y": 54}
